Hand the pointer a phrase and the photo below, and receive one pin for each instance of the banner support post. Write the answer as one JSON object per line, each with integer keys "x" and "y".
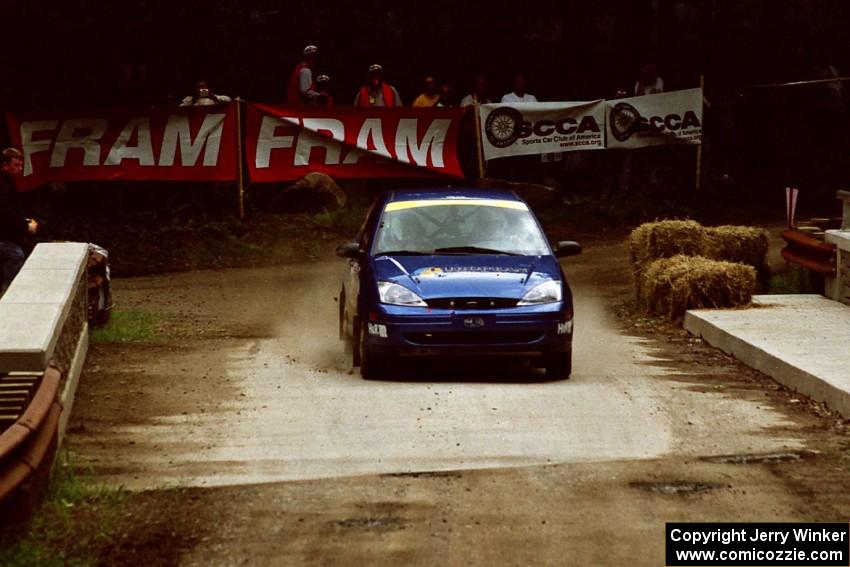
{"x": 699, "y": 146}
{"x": 478, "y": 142}
{"x": 240, "y": 178}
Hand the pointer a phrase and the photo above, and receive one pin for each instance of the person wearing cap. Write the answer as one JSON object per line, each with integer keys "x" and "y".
{"x": 302, "y": 87}
{"x": 323, "y": 84}
{"x": 376, "y": 92}
{"x": 204, "y": 96}
{"x": 430, "y": 96}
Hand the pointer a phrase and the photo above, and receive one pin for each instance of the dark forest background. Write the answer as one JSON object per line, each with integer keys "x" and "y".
{"x": 74, "y": 53}
{"x": 90, "y": 53}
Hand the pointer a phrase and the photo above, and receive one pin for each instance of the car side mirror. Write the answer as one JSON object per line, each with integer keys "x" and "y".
{"x": 349, "y": 250}
{"x": 567, "y": 248}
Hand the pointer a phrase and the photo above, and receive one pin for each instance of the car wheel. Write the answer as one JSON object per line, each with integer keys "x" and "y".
{"x": 559, "y": 365}
{"x": 373, "y": 366}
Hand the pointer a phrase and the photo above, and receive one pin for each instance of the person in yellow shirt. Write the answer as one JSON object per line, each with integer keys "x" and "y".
{"x": 430, "y": 96}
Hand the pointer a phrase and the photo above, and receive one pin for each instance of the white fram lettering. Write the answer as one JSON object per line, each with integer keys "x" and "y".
{"x": 312, "y": 137}
{"x": 268, "y": 141}
{"x": 208, "y": 139}
{"x": 69, "y": 139}
{"x": 373, "y": 131}
{"x": 409, "y": 150}
{"x": 31, "y": 146}
{"x": 142, "y": 151}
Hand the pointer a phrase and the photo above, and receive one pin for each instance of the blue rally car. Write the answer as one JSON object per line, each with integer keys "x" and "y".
{"x": 455, "y": 272}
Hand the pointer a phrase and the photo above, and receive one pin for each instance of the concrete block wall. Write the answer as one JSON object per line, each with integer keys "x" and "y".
{"x": 837, "y": 287}
{"x": 42, "y": 298}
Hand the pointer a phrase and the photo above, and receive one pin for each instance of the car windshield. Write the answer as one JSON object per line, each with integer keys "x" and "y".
{"x": 459, "y": 226}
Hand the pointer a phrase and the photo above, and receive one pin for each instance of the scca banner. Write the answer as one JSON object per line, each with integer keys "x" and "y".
{"x": 175, "y": 143}
{"x": 284, "y": 143}
{"x": 541, "y": 127}
{"x": 654, "y": 120}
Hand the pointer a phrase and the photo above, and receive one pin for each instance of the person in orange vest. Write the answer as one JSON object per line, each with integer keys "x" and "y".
{"x": 376, "y": 92}
{"x": 302, "y": 87}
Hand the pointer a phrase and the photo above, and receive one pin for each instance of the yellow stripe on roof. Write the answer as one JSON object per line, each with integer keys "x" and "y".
{"x": 499, "y": 203}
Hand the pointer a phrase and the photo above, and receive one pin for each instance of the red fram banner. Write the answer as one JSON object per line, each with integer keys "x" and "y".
{"x": 284, "y": 143}
{"x": 173, "y": 143}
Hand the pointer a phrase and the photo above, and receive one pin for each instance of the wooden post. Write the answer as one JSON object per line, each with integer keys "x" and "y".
{"x": 699, "y": 147}
{"x": 240, "y": 180}
{"x": 478, "y": 142}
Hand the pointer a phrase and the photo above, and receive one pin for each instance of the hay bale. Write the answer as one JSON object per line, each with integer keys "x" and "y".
{"x": 663, "y": 239}
{"x": 742, "y": 244}
{"x": 671, "y": 286}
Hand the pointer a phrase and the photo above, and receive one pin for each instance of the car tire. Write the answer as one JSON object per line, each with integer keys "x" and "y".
{"x": 373, "y": 366}
{"x": 559, "y": 365}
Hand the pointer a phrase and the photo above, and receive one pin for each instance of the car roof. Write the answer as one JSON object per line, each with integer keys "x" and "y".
{"x": 452, "y": 193}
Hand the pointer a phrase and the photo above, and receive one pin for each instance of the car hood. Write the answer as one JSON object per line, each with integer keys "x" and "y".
{"x": 433, "y": 277}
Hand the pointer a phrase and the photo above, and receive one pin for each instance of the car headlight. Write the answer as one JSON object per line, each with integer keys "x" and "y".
{"x": 547, "y": 292}
{"x": 395, "y": 294}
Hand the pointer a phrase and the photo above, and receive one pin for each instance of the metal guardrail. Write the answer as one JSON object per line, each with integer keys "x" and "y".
{"x": 25, "y": 444}
{"x": 43, "y": 344}
{"x": 809, "y": 253}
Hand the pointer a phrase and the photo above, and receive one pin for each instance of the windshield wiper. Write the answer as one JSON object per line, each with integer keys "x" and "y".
{"x": 472, "y": 250}
{"x": 404, "y": 253}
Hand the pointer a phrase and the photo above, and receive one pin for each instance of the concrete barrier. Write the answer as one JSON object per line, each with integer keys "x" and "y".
{"x": 44, "y": 331}
{"x": 798, "y": 340}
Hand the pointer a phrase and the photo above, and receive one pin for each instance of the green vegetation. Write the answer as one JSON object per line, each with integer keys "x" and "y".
{"x": 77, "y": 517}
{"x": 126, "y": 326}
{"x": 343, "y": 221}
{"x": 795, "y": 280}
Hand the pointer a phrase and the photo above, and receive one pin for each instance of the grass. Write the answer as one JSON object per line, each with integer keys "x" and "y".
{"x": 76, "y": 516}
{"x": 794, "y": 281}
{"x": 126, "y": 326}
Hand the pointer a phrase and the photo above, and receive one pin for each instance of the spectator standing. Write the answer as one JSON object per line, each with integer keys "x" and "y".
{"x": 430, "y": 95}
{"x": 649, "y": 82}
{"x": 445, "y": 96}
{"x": 478, "y": 94}
{"x": 15, "y": 228}
{"x": 323, "y": 84}
{"x": 519, "y": 94}
{"x": 302, "y": 88}
{"x": 376, "y": 92}
{"x": 203, "y": 96}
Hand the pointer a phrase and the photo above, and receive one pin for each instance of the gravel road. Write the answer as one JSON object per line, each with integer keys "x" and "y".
{"x": 253, "y": 409}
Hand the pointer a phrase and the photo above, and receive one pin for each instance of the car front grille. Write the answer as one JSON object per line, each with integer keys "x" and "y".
{"x": 471, "y": 303}
{"x": 476, "y": 338}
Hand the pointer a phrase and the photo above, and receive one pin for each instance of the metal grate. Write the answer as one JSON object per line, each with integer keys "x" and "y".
{"x": 16, "y": 392}
{"x": 472, "y": 303}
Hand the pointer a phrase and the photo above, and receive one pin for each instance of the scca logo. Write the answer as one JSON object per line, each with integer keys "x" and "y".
{"x": 625, "y": 120}
{"x": 505, "y": 125}
{"x": 564, "y": 126}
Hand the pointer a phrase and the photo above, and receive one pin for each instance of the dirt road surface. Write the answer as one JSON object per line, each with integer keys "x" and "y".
{"x": 277, "y": 453}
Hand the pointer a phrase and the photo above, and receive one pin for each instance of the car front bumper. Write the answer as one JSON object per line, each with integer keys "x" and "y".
{"x": 520, "y": 331}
